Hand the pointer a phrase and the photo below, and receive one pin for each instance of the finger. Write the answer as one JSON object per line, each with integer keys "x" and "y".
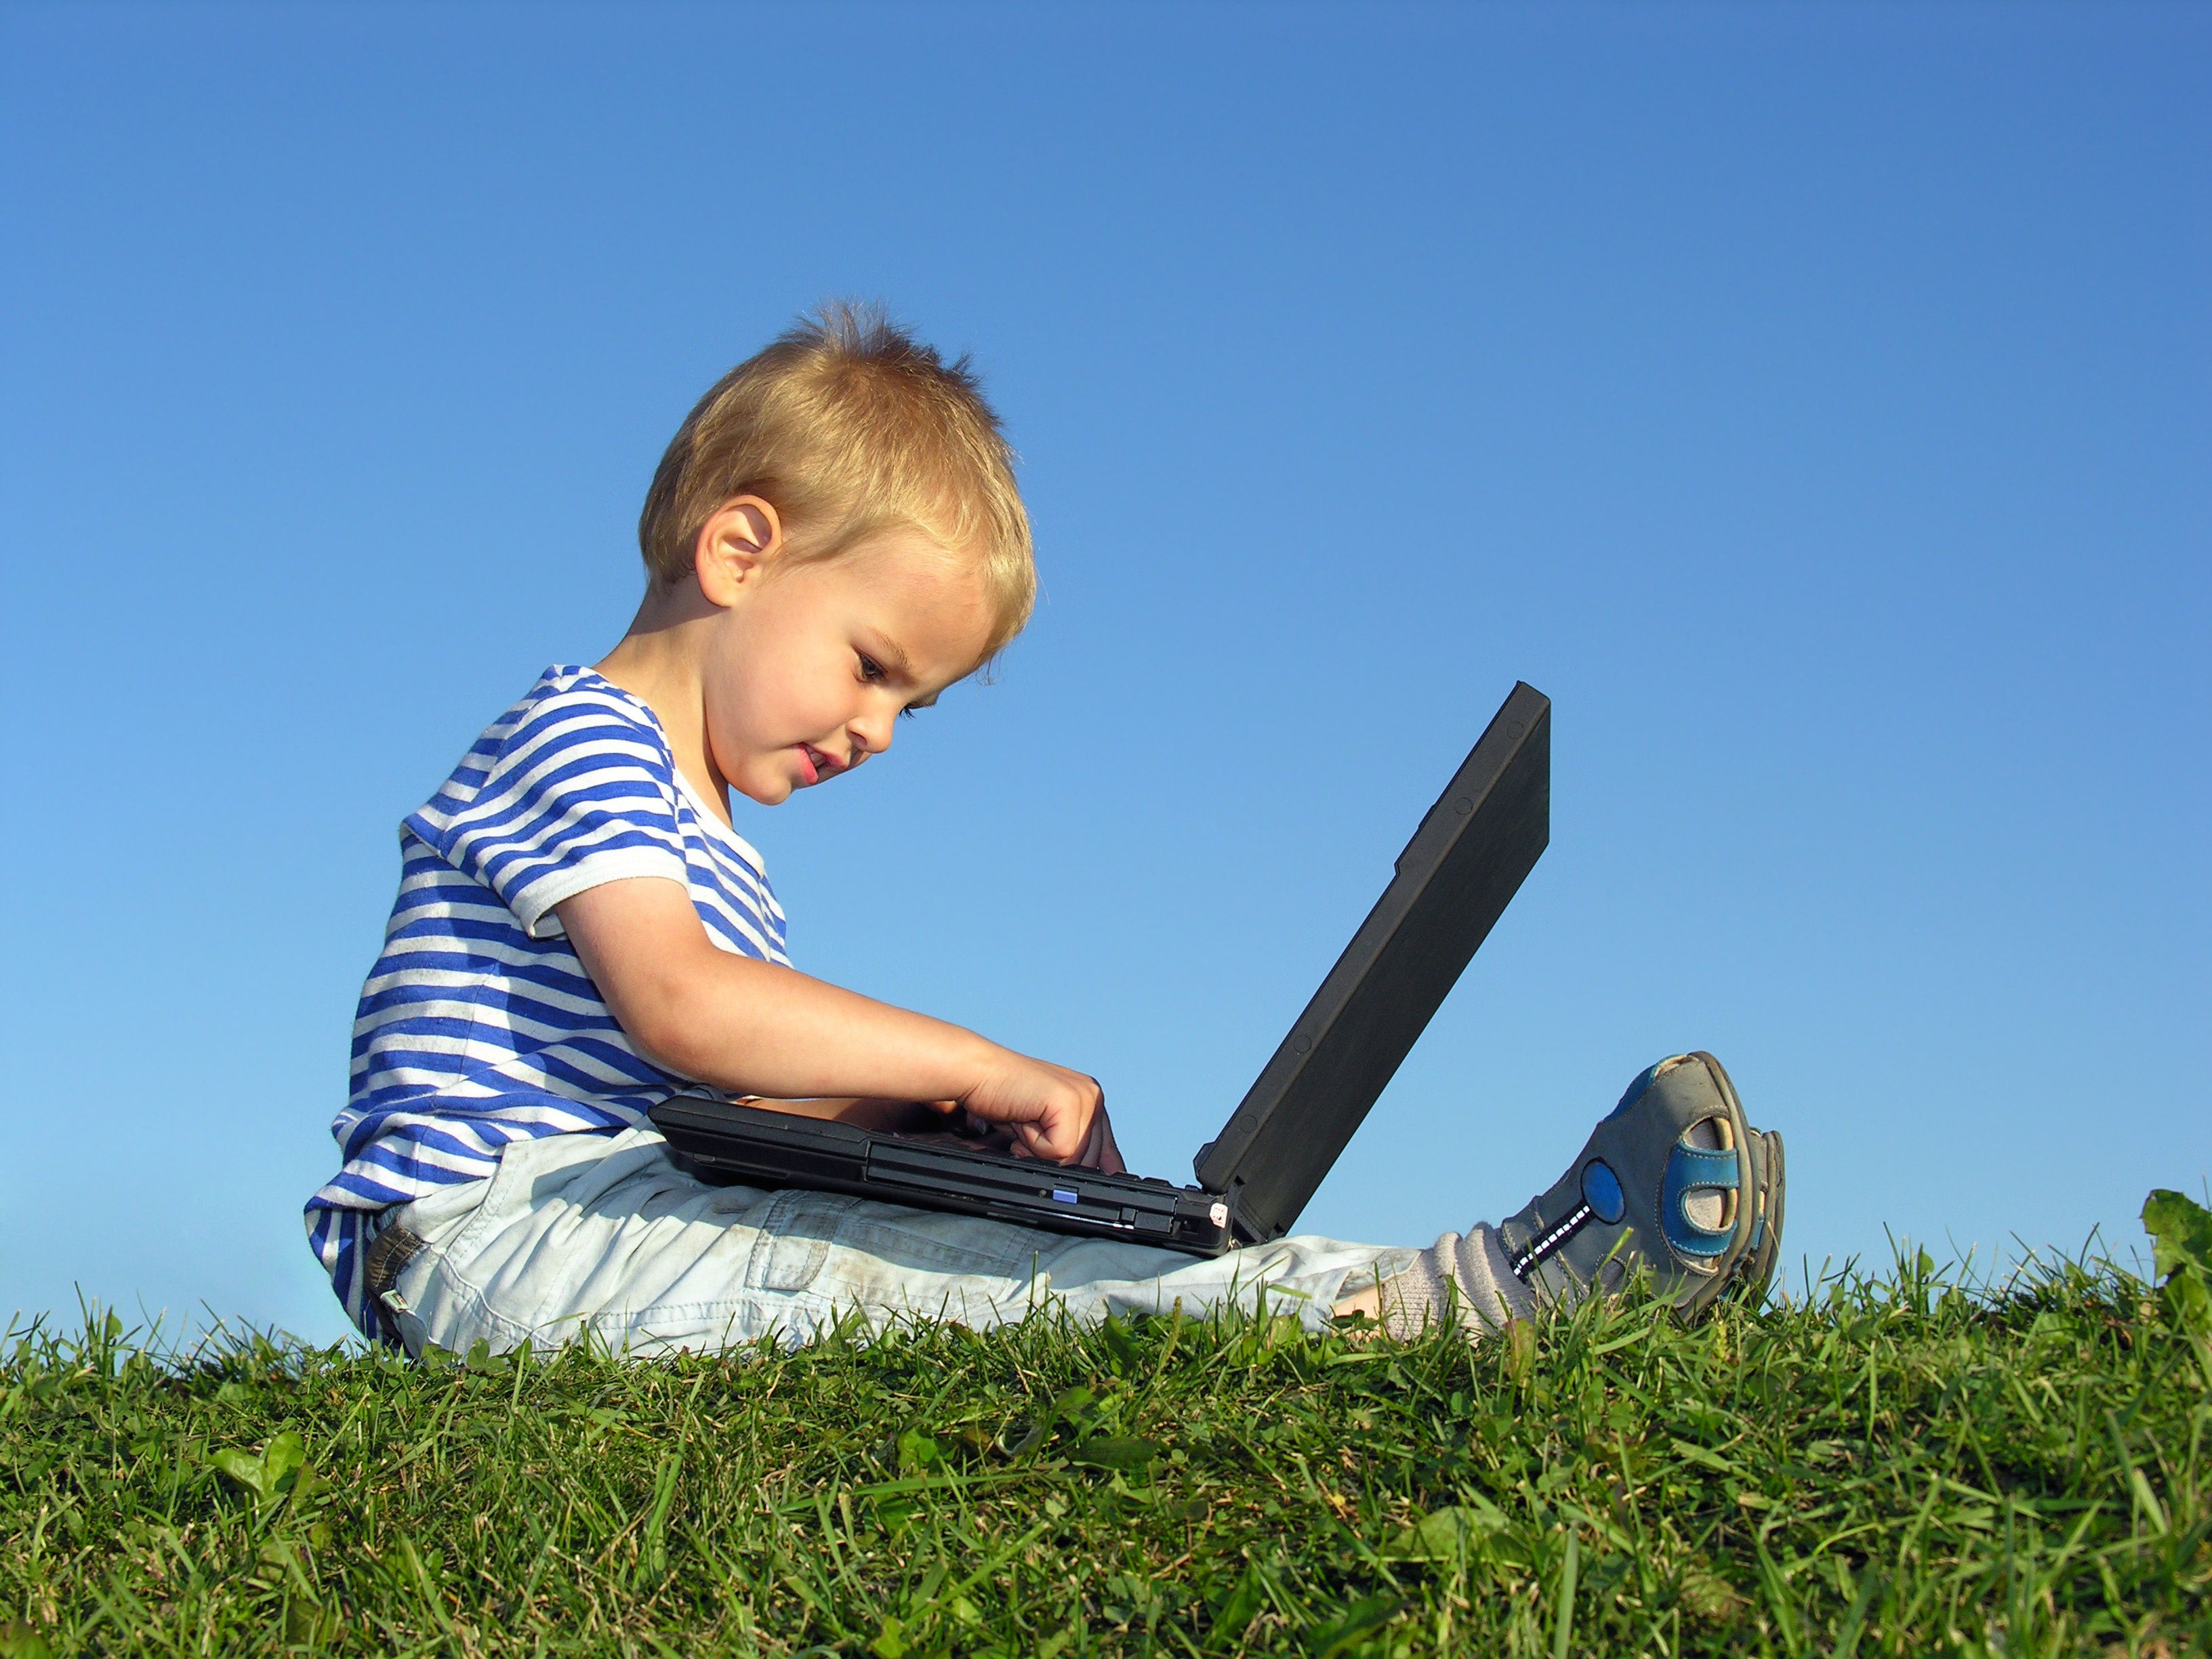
{"x": 1051, "y": 1138}
{"x": 1104, "y": 1155}
{"x": 1109, "y": 1149}
{"x": 1092, "y": 1147}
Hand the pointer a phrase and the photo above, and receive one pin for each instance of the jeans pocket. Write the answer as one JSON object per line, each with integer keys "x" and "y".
{"x": 511, "y": 1191}
{"x": 793, "y": 1238}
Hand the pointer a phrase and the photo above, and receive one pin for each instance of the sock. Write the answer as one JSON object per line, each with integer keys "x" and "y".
{"x": 1470, "y": 1273}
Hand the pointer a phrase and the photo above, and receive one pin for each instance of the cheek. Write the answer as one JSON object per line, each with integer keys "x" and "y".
{"x": 733, "y": 710}
{"x": 766, "y": 702}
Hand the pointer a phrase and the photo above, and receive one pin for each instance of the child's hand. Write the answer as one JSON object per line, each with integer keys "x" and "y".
{"x": 980, "y": 1135}
{"x": 1053, "y": 1113}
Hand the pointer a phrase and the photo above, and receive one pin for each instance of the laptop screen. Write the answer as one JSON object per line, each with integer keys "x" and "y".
{"x": 1453, "y": 880}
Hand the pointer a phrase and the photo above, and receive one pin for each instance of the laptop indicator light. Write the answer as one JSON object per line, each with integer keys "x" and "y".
{"x": 1062, "y": 1195}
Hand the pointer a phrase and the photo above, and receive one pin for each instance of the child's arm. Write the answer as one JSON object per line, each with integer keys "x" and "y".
{"x": 756, "y": 1028}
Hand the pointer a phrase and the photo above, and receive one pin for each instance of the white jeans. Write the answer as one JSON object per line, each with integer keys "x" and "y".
{"x": 578, "y": 1233}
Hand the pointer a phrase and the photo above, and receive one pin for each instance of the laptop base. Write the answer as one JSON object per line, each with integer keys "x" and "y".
{"x": 728, "y": 1144}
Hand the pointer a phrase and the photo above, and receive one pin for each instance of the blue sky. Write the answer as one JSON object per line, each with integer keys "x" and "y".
{"x": 1814, "y": 401}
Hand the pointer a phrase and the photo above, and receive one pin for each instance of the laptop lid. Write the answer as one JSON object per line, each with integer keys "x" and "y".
{"x": 1453, "y": 880}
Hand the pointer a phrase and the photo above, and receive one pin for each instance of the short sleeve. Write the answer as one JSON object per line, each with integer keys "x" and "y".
{"x": 578, "y": 792}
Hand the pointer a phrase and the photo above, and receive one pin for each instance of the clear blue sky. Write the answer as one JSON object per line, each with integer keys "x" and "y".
{"x": 1814, "y": 401}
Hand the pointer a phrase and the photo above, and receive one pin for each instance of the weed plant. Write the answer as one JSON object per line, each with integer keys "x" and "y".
{"x": 1898, "y": 1467}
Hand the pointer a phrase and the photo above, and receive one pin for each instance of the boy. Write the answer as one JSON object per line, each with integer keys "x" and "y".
{"x": 833, "y": 538}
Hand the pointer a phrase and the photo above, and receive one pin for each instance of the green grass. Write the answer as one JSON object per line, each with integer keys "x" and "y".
{"x": 1897, "y": 1468}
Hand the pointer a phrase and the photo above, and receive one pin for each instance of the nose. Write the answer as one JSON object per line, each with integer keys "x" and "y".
{"x": 871, "y": 733}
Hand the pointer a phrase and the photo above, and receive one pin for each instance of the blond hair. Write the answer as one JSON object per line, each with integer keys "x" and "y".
{"x": 849, "y": 427}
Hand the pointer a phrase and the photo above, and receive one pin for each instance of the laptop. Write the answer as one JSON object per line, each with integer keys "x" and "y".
{"x": 1462, "y": 868}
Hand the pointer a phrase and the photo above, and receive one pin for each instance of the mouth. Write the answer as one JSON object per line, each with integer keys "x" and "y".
{"x": 816, "y": 765}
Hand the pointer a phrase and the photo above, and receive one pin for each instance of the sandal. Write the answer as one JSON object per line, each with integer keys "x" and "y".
{"x": 1675, "y": 1177}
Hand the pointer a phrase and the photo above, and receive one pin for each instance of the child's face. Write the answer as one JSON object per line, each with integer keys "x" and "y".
{"x": 809, "y": 665}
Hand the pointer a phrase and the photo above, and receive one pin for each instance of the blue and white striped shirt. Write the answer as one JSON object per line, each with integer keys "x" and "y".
{"x": 478, "y": 1025}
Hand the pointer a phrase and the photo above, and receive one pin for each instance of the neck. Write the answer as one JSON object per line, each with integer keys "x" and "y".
{"x": 656, "y": 662}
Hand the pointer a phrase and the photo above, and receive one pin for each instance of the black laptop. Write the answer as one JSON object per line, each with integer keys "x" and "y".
{"x": 1453, "y": 880}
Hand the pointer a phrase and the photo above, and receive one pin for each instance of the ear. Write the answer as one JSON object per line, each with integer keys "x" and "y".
{"x": 738, "y": 538}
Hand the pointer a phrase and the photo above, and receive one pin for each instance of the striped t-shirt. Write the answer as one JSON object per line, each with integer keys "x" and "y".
{"x": 478, "y": 1025}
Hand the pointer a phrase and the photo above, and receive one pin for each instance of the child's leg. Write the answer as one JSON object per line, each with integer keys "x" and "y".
{"x": 580, "y": 1232}
{"x": 1468, "y": 1276}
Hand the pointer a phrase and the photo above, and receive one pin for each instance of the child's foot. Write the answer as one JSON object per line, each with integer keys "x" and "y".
{"x": 1674, "y": 1178}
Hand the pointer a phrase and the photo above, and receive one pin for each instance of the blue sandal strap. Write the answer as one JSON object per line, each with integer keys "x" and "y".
{"x": 1691, "y": 1170}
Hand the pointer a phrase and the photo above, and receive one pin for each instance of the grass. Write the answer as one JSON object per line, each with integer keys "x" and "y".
{"x": 1903, "y": 1467}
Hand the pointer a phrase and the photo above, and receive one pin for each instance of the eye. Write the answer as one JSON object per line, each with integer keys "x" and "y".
{"x": 908, "y": 713}
{"x": 871, "y": 669}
